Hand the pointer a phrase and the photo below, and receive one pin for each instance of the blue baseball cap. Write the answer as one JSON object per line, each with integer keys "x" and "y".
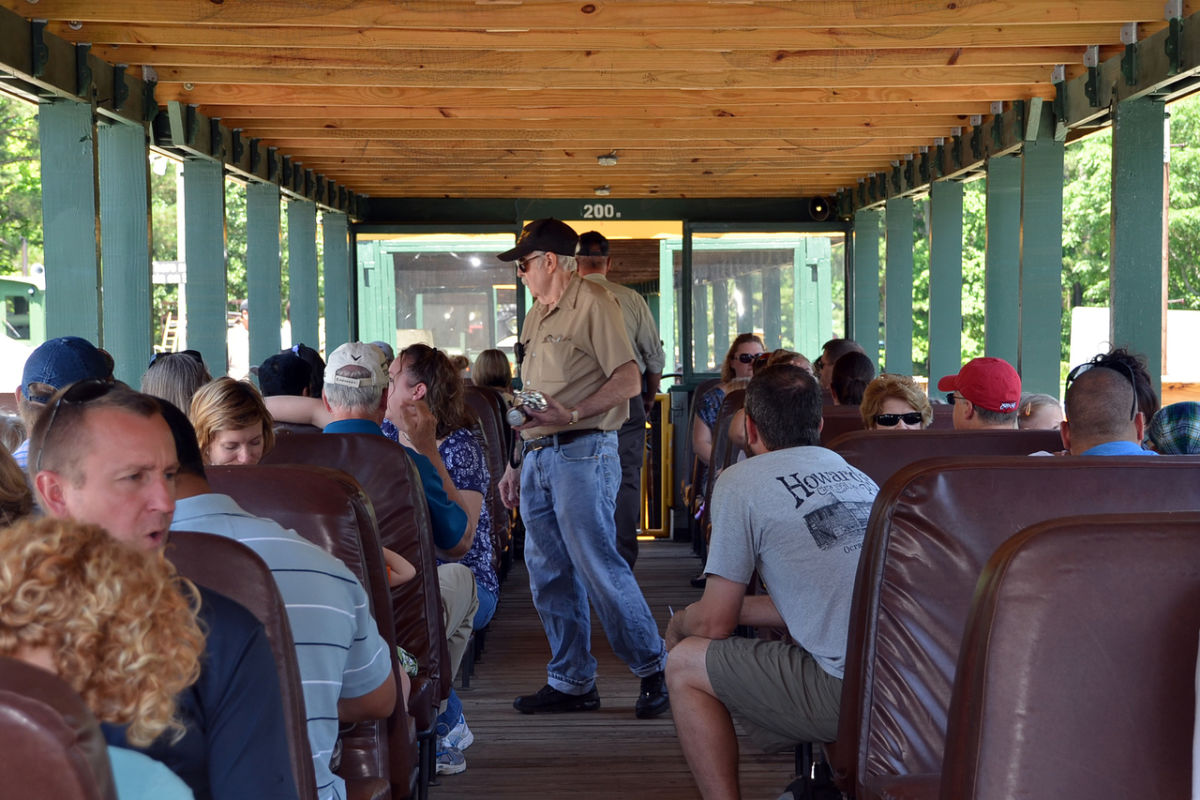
{"x": 61, "y": 362}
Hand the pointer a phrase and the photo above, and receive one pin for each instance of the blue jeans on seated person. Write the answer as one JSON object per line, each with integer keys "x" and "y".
{"x": 568, "y": 495}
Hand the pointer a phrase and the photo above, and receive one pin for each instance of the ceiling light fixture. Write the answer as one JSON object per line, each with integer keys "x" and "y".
{"x": 603, "y": 191}
{"x": 607, "y": 160}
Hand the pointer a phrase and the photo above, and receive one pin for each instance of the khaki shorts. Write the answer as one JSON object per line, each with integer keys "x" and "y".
{"x": 777, "y": 691}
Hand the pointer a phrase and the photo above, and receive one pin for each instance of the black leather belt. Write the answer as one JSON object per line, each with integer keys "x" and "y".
{"x": 556, "y": 439}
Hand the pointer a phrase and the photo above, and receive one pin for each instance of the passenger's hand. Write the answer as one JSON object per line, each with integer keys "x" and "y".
{"x": 418, "y": 423}
{"x": 675, "y": 634}
{"x": 555, "y": 414}
{"x": 510, "y": 487}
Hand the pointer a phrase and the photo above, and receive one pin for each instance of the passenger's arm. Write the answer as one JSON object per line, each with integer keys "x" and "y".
{"x": 702, "y": 442}
{"x": 417, "y": 421}
{"x": 400, "y": 571}
{"x": 298, "y": 410}
{"x": 713, "y": 616}
{"x": 379, "y": 703}
{"x": 759, "y": 610}
{"x": 652, "y": 379}
{"x": 737, "y": 429}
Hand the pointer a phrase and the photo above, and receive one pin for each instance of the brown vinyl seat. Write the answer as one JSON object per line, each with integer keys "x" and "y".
{"x": 881, "y": 453}
{"x": 1077, "y": 668}
{"x": 933, "y": 527}
{"x": 391, "y": 481}
{"x": 488, "y": 405}
{"x": 839, "y": 420}
{"x": 234, "y": 570}
{"x": 329, "y": 508}
{"x": 50, "y": 743}
{"x": 290, "y": 428}
{"x": 693, "y": 484}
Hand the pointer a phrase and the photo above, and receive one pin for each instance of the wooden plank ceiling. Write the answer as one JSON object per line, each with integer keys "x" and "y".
{"x": 518, "y": 98}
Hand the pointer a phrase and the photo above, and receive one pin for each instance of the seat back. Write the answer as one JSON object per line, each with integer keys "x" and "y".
{"x": 329, "y": 508}
{"x": 881, "y": 453}
{"x": 390, "y": 479}
{"x": 236, "y": 571}
{"x": 933, "y": 526}
{"x": 1077, "y": 668}
{"x": 50, "y": 743}
{"x": 488, "y": 406}
{"x": 692, "y": 485}
{"x": 839, "y": 420}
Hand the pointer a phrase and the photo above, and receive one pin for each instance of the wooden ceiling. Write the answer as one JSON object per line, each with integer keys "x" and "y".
{"x": 517, "y": 98}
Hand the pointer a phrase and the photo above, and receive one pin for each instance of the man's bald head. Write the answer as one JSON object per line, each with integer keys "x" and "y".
{"x": 1101, "y": 407}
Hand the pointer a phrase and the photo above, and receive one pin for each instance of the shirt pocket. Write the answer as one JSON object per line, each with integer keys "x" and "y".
{"x": 559, "y": 358}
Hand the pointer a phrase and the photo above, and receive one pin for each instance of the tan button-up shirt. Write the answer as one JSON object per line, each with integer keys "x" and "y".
{"x": 572, "y": 349}
{"x": 639, "y": 325}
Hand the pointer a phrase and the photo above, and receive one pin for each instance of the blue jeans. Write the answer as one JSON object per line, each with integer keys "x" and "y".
{"x": 568, "y": 493}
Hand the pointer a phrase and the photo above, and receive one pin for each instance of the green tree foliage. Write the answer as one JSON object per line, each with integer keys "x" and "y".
{"x": 20, "y": 185}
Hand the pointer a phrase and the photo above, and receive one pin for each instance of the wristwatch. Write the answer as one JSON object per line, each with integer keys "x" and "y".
{"x": 574, "y": 416}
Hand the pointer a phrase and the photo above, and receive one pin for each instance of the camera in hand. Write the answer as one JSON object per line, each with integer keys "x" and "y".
{"x": 531, "y": 399}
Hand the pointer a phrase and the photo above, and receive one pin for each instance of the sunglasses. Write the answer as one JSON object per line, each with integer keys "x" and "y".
{"x": 750, "y": 358}
{"x": 1082, "y": 368}
{"x": 892, "y": 420}
{"x": 192, "y": 354}
{"x": 952, "y": 398}
{"x": 523, "y": 263}
{"x": 77, "y": 393}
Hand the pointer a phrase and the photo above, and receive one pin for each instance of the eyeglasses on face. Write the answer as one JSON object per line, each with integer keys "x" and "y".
{"x": 892, "y": 420}
{"x": 523, "y": 263}
{"x": 750, "y": 358}
{"x": 953, "y": 398}
{"x": 1128, "y": 371}
{"x": 77, "y": 393}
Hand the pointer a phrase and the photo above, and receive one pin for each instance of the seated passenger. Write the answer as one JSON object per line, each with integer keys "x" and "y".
{"x": 895, "y": 402}
{"x": 424, "y": 375}
{"x": 1039, "y": 412}
{"x": 102, "y": 454}
{"x": 16, "y": 499}
{"x": 345, "y": 666}
{"x": 1102, "y": 413}
{"x": 737, "y": 423}
{"x": 851, "y": 374}
{"x": 985, "y": 393}
{"x": 117, "y": 625}
{"x": 493, "y": 371}
{"x": 831, "y": 351}
{"x": 738, "y": 363}
{"x": 284, "y": 373}
{"x": 1175, "y": 430}
{"x": 54, "y": 364}
{"x": 783, "y": 693}
{"x": 175, "y": 377}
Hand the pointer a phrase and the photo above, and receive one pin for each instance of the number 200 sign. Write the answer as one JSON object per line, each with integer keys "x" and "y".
{"x": 600, "y": 211}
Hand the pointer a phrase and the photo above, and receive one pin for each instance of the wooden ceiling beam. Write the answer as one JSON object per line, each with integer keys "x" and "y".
{"x": 606, "y": 138}
{"x": 454, "y": 146}
{"x": 633, "y": 79}
{"x": 608, "y": 61}
{"x": 1079, "y": 34}
{"x": 549, "y": 15}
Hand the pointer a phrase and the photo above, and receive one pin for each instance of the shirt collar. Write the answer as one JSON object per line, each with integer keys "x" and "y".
{"x": 203, "y": 505}
{"x": 1118, "y": 448}
{"x": 354, "y": 426}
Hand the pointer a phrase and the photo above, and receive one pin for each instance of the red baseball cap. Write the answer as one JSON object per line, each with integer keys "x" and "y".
{"x": 990, "y": 383}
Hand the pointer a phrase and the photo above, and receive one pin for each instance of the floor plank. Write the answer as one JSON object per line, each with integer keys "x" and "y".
{"x": 604, "y": 754}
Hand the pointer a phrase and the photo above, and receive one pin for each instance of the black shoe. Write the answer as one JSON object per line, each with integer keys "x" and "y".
{"x": 654, "y": 699}
{"x": 549, "y": 700}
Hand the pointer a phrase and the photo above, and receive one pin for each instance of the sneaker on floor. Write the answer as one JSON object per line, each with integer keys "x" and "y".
{"x": 653, "y": 699}
{"x": 549, "y": 700}
{"x": 450, "y": 761}
{"x": 459, "y": 737}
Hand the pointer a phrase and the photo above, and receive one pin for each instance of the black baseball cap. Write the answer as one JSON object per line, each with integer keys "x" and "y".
{"x": 593, "y": 244}
{"x": 549, "y": 234}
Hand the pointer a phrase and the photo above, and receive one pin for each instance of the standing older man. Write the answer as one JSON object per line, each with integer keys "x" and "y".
{"x": 575, "y": 351}
{"x": 594, "y": 264}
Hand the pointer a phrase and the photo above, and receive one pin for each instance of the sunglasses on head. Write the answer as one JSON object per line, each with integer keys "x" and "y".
{"x": 192, "y": 354}
{"x": 892, "y": 420}
{"x": 77, "y": 393}
{"x": 1082, "y": 368}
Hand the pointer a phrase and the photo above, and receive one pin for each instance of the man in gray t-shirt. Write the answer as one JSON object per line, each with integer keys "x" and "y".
{"x": 797, "y": 513}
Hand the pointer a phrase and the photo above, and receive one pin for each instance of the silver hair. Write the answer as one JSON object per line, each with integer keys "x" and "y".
{"x": 353, "y": 398}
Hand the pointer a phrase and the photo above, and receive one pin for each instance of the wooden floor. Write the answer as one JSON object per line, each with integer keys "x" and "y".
{"x": 603, "y": 754}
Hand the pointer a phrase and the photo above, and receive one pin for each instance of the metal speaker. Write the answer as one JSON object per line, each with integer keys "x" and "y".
{"x": 820, "y": 208}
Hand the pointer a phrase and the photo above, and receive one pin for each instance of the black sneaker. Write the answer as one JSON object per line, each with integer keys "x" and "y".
{"x": 549, "y": 700}
{"x": 653, "y": 699}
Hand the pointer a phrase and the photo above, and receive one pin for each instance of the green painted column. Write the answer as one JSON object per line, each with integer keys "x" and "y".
{"x": 376, "y": 293}
{"x": 820, "y": 262}
{"x": 338, "y": 321}
{"x": 945, "y": 278}
{"x": 864, "y": 318}
{"x": 667, "y": 320}
{"x": 1136, "y": 285}
{"x": 302, "y": 272}
{"x": 125, "y": 248}
{"x": 1041, "y": 266}
{"x": 898, "y": 304}
{"x": 263, "y": 282}
{"x": 772, "y": 314}
{"x": 720, "y": 318}
{"x": 72, "y": 251}
{"x": 204, "y": 251}
{"x": 701, "y": 317}
{"x": 1002, "y": 281}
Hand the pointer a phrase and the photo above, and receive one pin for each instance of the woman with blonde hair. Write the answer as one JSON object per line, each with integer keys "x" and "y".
{"x": 116, "y": 624}
{"x": 895, "y": 402}
{"x": 175, "y": 377}
{"x": 493, "y": 371}
{"x": 232, "y": 423}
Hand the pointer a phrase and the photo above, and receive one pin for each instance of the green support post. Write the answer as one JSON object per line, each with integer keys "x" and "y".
{"x": 263, "y": 282}
{"x": 865, "y": 283}
{"x": 204, "y": 251}
{"x": 338, "y": 320}
{"x": 945, "y": 278}
{"x": 376, "y": 293}
{"x": 125, "y": 248}
{"x": 302, "y": 272}
{"x": 744, "y": 286}
{"x": 700, "y": 327}
{"x": 772, "y": 314}
{"x": 1136, "y": 285}
{"x": 66, "y": 132}
{"x": 1002, "y": 287}
{"x": 666, "y": 304}
{"x": 720, "y": 318}
{"x": 1041, "y": 266}
{"x": 820, "y": 262}
{"x": 898, "y": 337}
{"x": 802, "y": 316}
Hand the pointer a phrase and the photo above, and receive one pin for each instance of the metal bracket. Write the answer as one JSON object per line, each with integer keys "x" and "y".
{"x": 977, "y": 142}
{"x": 923, "y": 168}
{"x": 236, "y": 145}
{"x": 39, "y": 52}
{"x": 120, "y": 87}
{"x": 191, "y": 125}
{"x": 1129, "y": 59}
{"x": 149, "y": 102}
{"x": 1091, "y": 60}
{"x": 272, "y": 164}
{"x": 285, "y": 172}
{"x": 998, "y": 132}
{"x": 215, "y": 145}
{"x": 1174, "y": 46}
{"x": 255, "y": 156}
{"x": 83, "y": 70}
{"x": 896, "y": 178}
